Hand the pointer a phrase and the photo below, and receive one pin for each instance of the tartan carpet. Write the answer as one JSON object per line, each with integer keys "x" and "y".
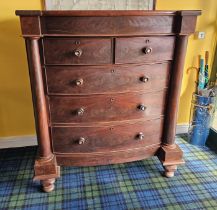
{"x": 137, "y": 185}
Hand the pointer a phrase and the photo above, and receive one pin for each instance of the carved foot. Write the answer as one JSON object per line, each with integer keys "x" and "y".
{"x": 170, "y": 170}
{"x": 47, "y": 170}
{"x": 48, "y": 185}
{"x": 170, "y": 156}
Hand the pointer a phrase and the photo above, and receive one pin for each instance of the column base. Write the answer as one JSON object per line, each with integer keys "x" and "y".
{"x": 46, "y": 170}
{"x": 170, "y": 156}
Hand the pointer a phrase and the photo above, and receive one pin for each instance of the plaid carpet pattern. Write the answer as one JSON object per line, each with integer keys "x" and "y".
{"x": 137, "y": 185}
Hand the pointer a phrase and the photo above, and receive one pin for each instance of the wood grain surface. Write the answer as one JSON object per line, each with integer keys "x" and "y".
{"x": 105, "y": 158}
{"x": 83, "y": 80}
{"x": 111, "y": 26}
{"x": 103, "y": 108}
{"x": 132, "y": 50}
{"x": 105, "y": 86}
{"x": 62, "y": 51}
{"x": 106, "y": 138}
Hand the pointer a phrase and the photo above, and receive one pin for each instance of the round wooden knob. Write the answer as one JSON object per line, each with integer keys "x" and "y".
{"x": 147, "y": 50}
{"x": 144, "y": 79}
{"x": 141, "y": 136}
{"x": 78, "y": 52}
{"x": 79, "y": 82}
{"x": 80, "y": 111}
{"x": 142, "y": 107}
{"x": 81, "y": 140}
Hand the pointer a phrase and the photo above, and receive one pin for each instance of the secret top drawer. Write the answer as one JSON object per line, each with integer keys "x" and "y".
{"x": 77, "y": 51}
{"x": 108, "y": 25}
{"x": 144, "y": 49}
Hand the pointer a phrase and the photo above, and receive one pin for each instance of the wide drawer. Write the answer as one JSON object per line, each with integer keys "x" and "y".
{"x": 77, "y": 50}
{"x": 106, "y": 138}
{"x": 144, "y": 49}
{"x": 83, "y": 80}
{"x": 101, "y": 108}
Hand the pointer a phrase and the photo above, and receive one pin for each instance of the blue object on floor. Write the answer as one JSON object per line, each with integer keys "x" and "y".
{"x": 201, "y": 119}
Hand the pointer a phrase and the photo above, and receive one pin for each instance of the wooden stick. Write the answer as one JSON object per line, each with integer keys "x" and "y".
{"x": 206, "y": 57}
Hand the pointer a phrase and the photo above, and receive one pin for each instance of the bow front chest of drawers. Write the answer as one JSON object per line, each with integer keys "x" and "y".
{"x": 105, "y": 86}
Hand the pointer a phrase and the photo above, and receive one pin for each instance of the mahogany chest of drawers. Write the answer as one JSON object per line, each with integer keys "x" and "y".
{"x": 105, "y": 86}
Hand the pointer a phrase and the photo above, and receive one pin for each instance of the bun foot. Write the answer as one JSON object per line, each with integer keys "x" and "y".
{"x": 169, "y": 174}
{"x": 52, "y": 181}
{"x": 48, "y": 185}
{"x": 170, "y": 170}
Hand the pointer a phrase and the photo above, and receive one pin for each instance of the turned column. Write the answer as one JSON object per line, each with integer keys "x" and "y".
{"x": 174, "y": 93}
{"x": 170, "y": 154}
{"x": 46, "y": 168}
{"x": 40, "y": 106}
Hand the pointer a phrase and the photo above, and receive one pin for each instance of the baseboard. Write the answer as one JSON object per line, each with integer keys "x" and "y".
{"x": 182, "y": 128}
{"x": 17, "y": 141}
{"x": 25, "y": 141}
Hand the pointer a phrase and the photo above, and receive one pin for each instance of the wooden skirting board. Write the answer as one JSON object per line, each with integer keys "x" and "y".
{"x": 30, "y": 140}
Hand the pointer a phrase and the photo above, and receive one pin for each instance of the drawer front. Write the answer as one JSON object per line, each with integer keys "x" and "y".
{"x": 104, "y": 26}
{"x": 106, "y": 138}
{"x": 77, "y": 51}
{"x": 98, "y": 79}
{"x": 144, "y": 49}
{"x": 107, "y": 108}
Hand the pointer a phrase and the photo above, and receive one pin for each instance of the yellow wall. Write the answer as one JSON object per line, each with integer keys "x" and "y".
{"x": 206, "y": 22}
{"x": 16, "y": 114}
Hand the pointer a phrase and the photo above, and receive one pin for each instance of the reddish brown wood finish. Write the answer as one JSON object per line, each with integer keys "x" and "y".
{"x": 84, "y": 80}
{"x": 100, "y": 158}
{"x": 110, "y": 23}
{"x": 187, "y": 24}
{"x": 40, "y": 106}
{"x": 105, "y": 13}
{"x": 31, "y": 26}
{"x": 45, "y": 165}
{"x": 117, "y": 25}
{"x": 170, "y": 154}
{"x": 93, "y": 65}
{"x": 63, "y": 51}
{"x": 107, "y": 138}
{"x": 133, "y": 50}
{"x": 107, "y": 108}
{"x": 174, "y": 91}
